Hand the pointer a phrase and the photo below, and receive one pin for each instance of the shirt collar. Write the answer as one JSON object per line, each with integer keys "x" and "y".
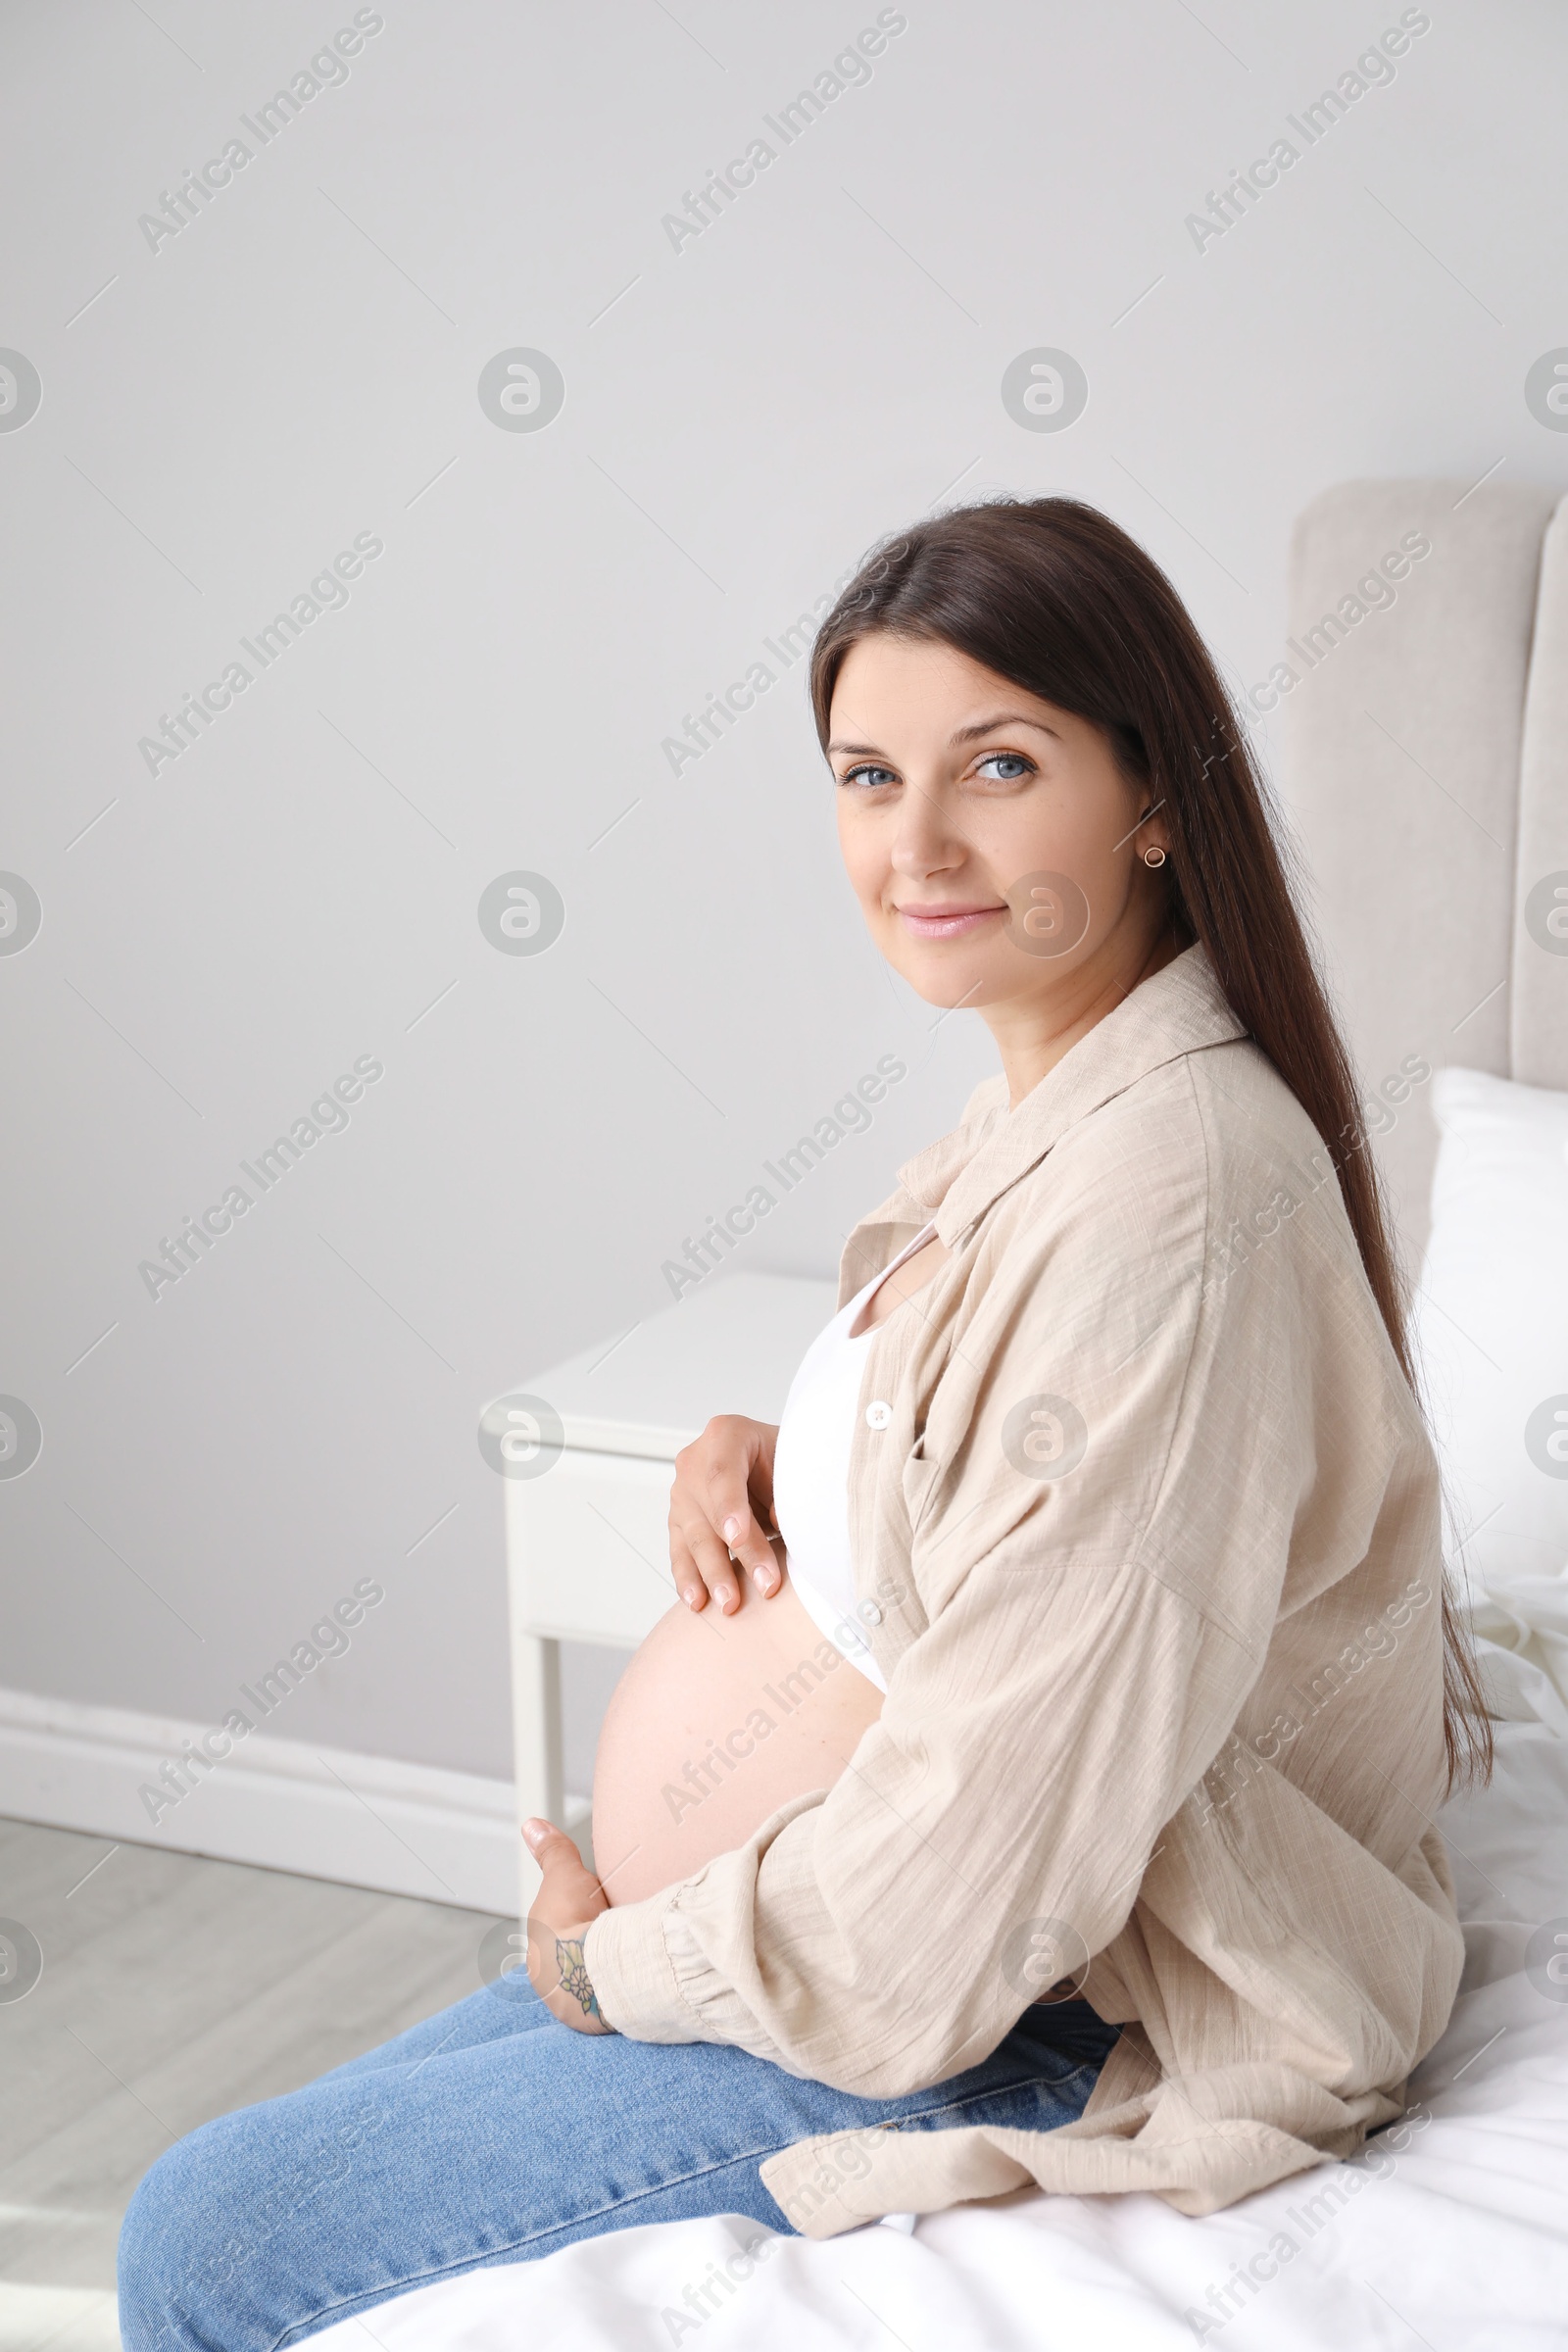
{"x": 1181, "y": 1010}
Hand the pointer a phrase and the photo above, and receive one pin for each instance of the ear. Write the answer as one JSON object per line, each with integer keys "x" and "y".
{"x": 1151, "y": 830}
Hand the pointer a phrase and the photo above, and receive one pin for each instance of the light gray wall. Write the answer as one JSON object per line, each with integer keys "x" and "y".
{"x": 299, "y": 365}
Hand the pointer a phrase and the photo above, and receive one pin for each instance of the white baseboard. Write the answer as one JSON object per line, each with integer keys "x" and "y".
{"x": 324, "y": 1812}
{"x": 85, "y": 2318}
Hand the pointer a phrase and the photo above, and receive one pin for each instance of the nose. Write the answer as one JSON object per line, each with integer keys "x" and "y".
{"x": 927, "y": 842}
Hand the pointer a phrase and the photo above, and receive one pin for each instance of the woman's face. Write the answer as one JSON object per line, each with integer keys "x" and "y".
{"x": 992, "y": 843}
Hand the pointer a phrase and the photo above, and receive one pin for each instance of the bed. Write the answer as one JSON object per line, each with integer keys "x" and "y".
{"x": 1426, "y": 772}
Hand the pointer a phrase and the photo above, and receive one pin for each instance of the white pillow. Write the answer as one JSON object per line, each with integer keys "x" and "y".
{"x": 1491, "y": 1324}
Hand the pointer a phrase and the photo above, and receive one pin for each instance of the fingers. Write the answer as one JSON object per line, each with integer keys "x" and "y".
{"x": 742, "y": 1484}
{"x": 702, "y": 1566}
{"x": 688, "y": 1577}
{"x": 715, "y": 1534}
{"x": 569, "y": 1891}
{"x": 760, "y": 1473}
{"x": 737, "y": 1525}
{"x": 716, "y": 1567}
{"x": 549, "y": 1847}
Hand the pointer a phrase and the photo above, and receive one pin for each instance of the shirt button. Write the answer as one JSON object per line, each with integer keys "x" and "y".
{"x": 871, "y": 1613}
{"x": 878, "y": 1415}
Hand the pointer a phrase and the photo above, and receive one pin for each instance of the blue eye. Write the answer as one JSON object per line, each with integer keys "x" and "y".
{"x": 1013, "y": 763}
{"x": 869, "y": 773}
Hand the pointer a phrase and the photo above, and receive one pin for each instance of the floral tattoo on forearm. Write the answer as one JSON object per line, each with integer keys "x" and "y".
{"x": 577, "y": 1985}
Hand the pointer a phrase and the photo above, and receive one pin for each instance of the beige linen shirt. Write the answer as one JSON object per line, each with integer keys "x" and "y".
{"x": 1147, "y": 1521}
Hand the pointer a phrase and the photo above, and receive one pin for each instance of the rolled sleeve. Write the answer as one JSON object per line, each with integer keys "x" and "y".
{"x": 626, "y": 1958}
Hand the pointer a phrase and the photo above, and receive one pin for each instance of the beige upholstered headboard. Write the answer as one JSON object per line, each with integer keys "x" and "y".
{"x": 1426, "y": 780}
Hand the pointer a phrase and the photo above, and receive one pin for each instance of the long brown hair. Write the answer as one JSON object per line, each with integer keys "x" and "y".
{"x": 1052, "y": 595}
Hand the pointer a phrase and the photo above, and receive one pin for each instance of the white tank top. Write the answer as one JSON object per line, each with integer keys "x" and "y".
{"x": 811, "y": 1474}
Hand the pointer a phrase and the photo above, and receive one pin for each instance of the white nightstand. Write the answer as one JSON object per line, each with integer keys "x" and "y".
{"x": 587, "y": 1550}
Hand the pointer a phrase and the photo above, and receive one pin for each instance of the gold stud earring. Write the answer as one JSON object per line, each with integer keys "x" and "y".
{"x": 1154, "y": 856}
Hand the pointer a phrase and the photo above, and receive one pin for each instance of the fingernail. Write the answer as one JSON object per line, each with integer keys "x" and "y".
{"x": 765, "y": 1583}
{"x": 732, "y": 1529}
{"x": 689, "y": 1597}
{"x": 533, "y": 1830}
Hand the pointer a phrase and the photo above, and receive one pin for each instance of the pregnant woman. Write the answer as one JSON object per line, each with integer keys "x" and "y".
{"x": 1035, "y": 1779}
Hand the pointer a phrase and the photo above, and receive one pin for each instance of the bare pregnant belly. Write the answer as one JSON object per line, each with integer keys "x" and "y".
{"x": 718, "y": 1722}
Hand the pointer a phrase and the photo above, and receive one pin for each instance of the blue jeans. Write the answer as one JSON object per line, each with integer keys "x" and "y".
{"x": 493, "y": 2133}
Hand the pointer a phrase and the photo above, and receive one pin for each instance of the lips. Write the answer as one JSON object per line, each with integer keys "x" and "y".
{"x": 947, "y": 922}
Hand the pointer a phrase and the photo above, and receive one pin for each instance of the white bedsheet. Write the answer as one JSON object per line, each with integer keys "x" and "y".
{"x": 1459, "y": 2241}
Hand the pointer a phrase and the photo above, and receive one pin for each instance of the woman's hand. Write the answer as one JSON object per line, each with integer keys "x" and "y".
{"x": 721, "y": 1503}
{"x": 568, "y": 1901}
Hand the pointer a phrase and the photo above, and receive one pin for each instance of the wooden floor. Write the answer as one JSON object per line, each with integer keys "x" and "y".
{"x": 173, "y": 1991}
